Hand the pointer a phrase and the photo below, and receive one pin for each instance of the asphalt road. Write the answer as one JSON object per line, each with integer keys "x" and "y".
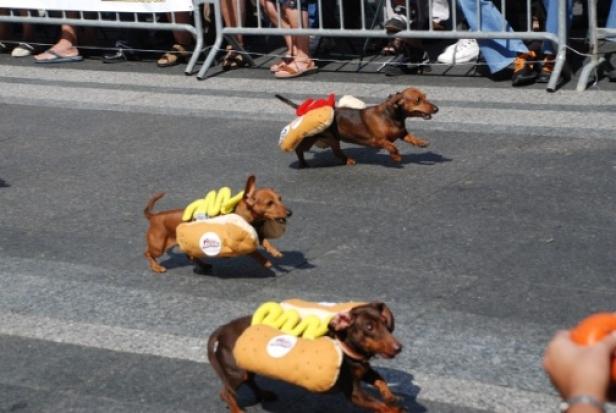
{"x": 484, "y": 244}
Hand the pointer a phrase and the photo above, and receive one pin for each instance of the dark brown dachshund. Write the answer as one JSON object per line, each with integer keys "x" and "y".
{"x": 363, "y": 332}
{"x": 375, "y": 126}
{"x": 256, "y": 207}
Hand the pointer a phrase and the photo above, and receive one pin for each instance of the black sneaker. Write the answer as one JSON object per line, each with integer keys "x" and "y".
{"x": 123, "y": 53}
{"x": 547, "y": 67}
{"x": 523, "y": 72}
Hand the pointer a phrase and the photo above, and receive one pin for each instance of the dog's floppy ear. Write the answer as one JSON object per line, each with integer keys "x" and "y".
{"x": 397, "y": 98}
{"x": 249, "y": 191}
{"x": 387, "y": 316}
{"x": 341, "y": 321}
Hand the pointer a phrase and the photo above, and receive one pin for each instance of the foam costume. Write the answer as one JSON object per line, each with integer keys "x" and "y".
{"x": 286, "y": 341}
{"x": 213, "y": 204}
{"x": 313, "y": 118}
{"x": 594, "y": 329}
{"x": 216, "y": 232}
{"x": 211, "y": 229}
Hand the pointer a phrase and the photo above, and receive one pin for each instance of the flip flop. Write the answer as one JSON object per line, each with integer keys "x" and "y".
{"x": 58, "y": 58}
{"x": 289, "y": 71}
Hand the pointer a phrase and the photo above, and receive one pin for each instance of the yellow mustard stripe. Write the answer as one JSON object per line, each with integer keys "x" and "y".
{"x": 289, "y": 322}
{"x": 213, "y": 204}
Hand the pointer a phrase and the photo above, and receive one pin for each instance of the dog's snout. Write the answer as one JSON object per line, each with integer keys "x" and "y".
{"x": 434, "y": 109}
{"x": 397, "y": 347}
{"x": 289, "y": 212}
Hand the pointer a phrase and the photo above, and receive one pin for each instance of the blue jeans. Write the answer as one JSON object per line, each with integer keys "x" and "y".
{"x": 611, "y": 18}
{"x": 551, "y": 21}
{"x": 498, "y": 53}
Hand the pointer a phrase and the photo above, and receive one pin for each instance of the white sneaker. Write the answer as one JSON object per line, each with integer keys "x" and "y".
{"x": 464, "y": 50}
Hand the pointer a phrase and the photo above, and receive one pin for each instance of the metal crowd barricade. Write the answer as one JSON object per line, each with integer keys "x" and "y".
{"x": 559, "y": 39}
{"x": 130, "y": 21}
{"x": 595, "y": 34}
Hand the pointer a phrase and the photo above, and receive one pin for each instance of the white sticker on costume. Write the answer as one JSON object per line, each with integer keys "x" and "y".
{"x": 325, "y": 304}
{"x": 280, "y": 346}
{"x": 210, "y": 244}
{"x": 283, "y": 133}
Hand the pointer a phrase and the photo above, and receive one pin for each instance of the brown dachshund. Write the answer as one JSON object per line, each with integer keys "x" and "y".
{"x": 375, "y": 126}
{"x": 363, "y": 332}
{"x": 258, "y": 206}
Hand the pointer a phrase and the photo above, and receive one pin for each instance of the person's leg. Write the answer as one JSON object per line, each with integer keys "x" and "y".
{"x": 4, "y": 30}
{"x": 611, "y": 18}
{"x": 551, "y": 21}
{"x": 499, "y": 54}
{"x": 182, "y": 38}
{"x": 302, "y": 61}
{"x": 66, "y": 46}
{"x": 234, "y": 11}
{"x": 272, "y": 13}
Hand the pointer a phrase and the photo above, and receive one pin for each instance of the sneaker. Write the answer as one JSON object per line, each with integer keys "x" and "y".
{"x": 397, "y": 23}
{"x": 22, "y": 50}
{"x": 523, "y": 72}
{"x": 464, "y": 50}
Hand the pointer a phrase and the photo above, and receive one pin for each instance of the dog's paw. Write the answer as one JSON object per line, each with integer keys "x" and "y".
{"x": 268, "y": 264}
{"x": 393, "y": 409}
{"x": 422, "y": 144}
{"x": 276, "y": 254}
{"x": 351, "y": 161}
{"x": 394, "y": 401}
{"x": 396, "y": 157}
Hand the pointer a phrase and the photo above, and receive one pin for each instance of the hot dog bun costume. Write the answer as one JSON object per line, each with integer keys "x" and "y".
{"x": 286, "y": 341}
{"x": 223, "y": 236}
{"x": 212, "y": 230}
{"x": 594, "y": 329}
{"x": 313, "y": 118}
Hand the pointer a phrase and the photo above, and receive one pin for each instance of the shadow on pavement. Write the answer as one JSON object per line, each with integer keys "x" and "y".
{"x": 297, "y": 400}
{"x": 239, "y": 267}
{"x": 373, "y": 157}
{"x": 4, "y": 184}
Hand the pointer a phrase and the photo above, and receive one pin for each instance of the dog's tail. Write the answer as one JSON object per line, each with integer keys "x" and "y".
{"x": 212, "y": 349}
{"x": 287, "y": 101}
{"x": 150, "y": 205}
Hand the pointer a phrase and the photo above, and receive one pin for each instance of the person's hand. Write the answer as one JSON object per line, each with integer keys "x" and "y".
{"x": 576, "y": 370}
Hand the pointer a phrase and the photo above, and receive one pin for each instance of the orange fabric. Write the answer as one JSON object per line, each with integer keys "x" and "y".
{"x": 594, "y": 329}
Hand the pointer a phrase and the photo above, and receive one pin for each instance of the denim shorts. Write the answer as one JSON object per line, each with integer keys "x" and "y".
{"x": 292, "y": 4}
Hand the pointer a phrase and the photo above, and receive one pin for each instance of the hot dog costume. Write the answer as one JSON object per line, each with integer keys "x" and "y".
{"x": 286, "y": 341}
{"x": 211, "y": 229}
{"x": 313, "y": 117}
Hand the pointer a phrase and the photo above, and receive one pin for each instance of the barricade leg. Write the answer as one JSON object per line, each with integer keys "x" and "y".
{"x": 561, "y": 56}
{"x": 595, "y": 60}
{"x": 198, "y": 38}
{"x": 217, "y": 42}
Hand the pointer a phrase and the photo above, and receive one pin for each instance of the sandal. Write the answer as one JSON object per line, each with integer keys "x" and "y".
{"x": 176, "y": 56}
{"x": 233, "y": 59}
{"x": 291, "y": 70}
{"x": 278, "y": 65}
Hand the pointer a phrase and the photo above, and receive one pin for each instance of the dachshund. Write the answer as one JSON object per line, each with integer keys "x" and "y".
{"x": 376, "y": 126}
